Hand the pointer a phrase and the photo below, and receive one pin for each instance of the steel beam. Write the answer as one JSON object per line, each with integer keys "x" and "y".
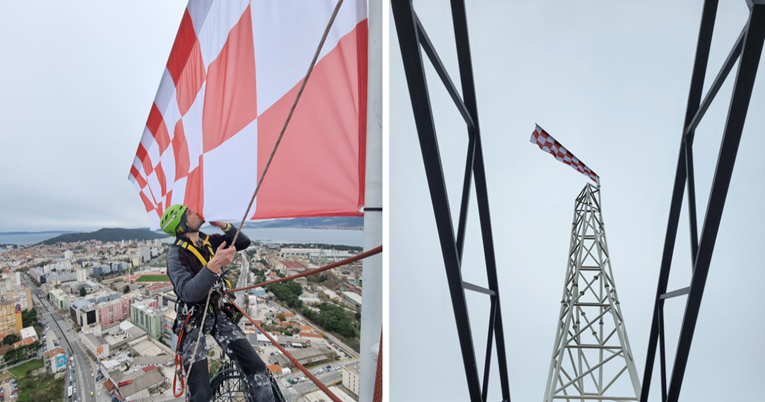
{"x": 694, "y": 98}
{"x": 748, "y": 50}
{"x": 430, "y": 50}
{"x": 742, "y": 93}
{"x": 406, "y": 28}
{"x": 412, "y": 36}
{"x": 462, "y": 40}
{"x": 675, "y": 293}
{"x": 487, "y": 362}
{"x": 717, "y": 83}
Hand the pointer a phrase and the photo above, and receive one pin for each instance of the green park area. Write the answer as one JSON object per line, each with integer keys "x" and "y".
{"x": 153, "y": 278}
{"x": 39, "y": 388}
{"x": 22, "y": 370}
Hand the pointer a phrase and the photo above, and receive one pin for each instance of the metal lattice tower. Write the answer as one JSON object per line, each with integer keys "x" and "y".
{"x": 591, "y": 351}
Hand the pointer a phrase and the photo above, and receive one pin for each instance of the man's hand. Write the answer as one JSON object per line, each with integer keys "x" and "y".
{"x": 223, "y": 258}
{"x": 221, "y": 225}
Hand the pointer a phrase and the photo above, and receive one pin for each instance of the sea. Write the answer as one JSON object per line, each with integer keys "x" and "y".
{"x": 271, "y": 235}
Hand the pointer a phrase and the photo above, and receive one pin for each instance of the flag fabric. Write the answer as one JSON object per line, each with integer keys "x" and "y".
{"x": 548, "y": 144}
{"x": 229, "y": 83}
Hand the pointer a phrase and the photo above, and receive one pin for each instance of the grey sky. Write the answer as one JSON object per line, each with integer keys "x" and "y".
{"x": 79, "y": 80}
{"x": 610, "y": 81}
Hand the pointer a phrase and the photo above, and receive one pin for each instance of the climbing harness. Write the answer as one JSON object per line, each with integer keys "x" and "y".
{"x": 191, "y": 310}
{"x": 221, "y": 302}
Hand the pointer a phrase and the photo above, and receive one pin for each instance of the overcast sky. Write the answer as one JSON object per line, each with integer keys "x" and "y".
{"x": 610, "y": 81}
{"x": 78, "y": 82}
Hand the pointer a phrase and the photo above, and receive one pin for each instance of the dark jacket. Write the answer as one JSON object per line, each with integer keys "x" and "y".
{"x": 190, "y": 278}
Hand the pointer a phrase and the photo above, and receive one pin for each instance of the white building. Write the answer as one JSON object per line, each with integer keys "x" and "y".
{"x": 144, "y": 254}
{"x": 68, "y": 255}
{"x": 96, "y": 346}
{"x": 320, "y": 396}
{"x": 354, "y": 299}
{"x": 351, "y": 379}
{"x": 29, "y": 332}
{"x": 315, "y": 254}
{"x": 82, "y": 275}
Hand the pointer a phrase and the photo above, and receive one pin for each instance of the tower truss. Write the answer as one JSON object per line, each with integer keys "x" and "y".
{"x": 591, "y": 352}
{"x": 413, "y": 40}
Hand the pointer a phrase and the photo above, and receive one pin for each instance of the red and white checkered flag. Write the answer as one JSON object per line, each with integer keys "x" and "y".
{"x": 548, "y": 144}
{"x": 225, "y": 93}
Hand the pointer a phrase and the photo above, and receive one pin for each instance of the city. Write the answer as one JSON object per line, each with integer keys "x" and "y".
{"x": 105, "y": 312}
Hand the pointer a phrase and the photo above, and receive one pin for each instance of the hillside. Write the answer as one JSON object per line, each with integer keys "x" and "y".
{"x": 336, "y": 222}
{"x": 106, "y": 235}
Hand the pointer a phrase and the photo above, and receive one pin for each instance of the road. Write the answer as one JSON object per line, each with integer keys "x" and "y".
{"x": 82, "y": 372}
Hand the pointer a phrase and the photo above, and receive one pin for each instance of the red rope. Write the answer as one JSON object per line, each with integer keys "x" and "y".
{"x": 363, "y": 255}
{"x": 179, "y": 359}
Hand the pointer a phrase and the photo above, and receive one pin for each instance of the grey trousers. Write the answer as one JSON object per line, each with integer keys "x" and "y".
{"x": 234, "y": 343}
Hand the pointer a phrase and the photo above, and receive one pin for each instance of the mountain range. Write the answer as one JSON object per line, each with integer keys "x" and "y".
{"x": 118, "y": 234}
{"x": 106, "y": 235}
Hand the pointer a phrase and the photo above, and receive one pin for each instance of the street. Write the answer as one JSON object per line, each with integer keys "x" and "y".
{"x": 79, "y": 368}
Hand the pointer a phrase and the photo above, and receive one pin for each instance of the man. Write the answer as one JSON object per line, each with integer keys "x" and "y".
{"x": 194, "y": 268}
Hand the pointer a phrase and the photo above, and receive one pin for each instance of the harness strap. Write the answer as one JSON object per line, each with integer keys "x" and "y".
{"x": 193, "y": 249}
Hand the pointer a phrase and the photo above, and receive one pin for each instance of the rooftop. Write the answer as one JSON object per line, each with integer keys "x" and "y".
{"x": 147, "y": 348}
{"x": 147, "y": 380}
{"x": 151, "y": 360}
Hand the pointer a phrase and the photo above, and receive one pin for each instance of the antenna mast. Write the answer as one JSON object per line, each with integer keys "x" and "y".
{"x": 591, "y": 351}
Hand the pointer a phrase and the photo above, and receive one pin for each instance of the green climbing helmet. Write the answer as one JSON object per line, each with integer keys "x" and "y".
{"x": 173, "y": 221}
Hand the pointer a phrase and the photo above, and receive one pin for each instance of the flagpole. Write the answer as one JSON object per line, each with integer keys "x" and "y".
{"x": 372, "y": 278}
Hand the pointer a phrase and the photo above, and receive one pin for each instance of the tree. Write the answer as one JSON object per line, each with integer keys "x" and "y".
{"x": 28, "y": 318}
{"x": 82, "y": 291}
{"x": 127, "y": 289}
{"x": 10, "y": 339}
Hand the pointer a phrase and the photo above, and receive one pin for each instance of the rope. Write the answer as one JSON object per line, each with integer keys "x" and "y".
{"x": 263, "y": 175}
{"x": 363, "y": 255}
